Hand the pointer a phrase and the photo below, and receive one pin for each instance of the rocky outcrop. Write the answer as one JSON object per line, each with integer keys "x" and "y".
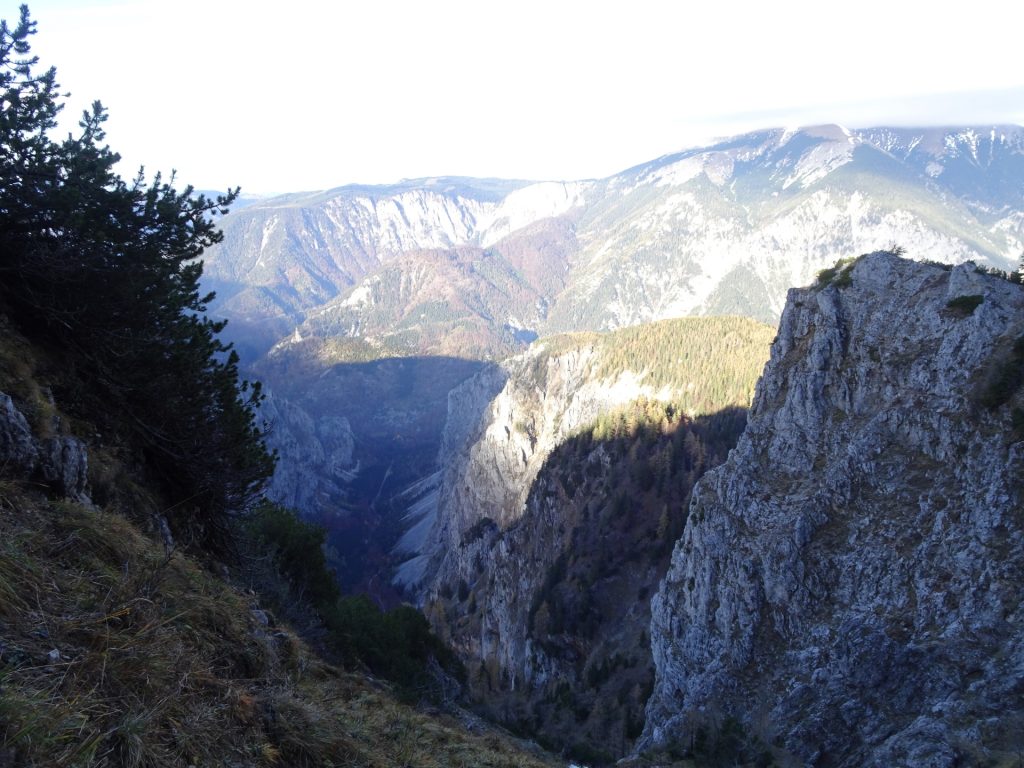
{"x": 61, "y": 462}
{"x": 502, "y": 425}
{"x": 64, "y": 466}
{"x": 315, "y": 457}
{"x": 18, "y": 452}
{"x": 848, "y": 583}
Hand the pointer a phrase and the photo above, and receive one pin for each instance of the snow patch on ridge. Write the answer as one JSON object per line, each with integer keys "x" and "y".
{"x": 678, "y": 173}
{"x": 268, "y": 229}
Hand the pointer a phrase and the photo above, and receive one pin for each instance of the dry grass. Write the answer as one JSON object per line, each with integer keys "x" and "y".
{"x": 162, "y": 664}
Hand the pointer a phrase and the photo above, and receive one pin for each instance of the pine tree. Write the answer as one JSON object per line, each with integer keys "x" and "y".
{"x": 107, "y": 272}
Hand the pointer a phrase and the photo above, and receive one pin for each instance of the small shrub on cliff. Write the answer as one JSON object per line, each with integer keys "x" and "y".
{"x": 964, "y": 306}
{"x": 1015, "y": 276}
{"x": 1007, "y": 378}
{"x": 397, "y": 645}
{"x": 297, "y": 550}
{"x": 838, "y": 274}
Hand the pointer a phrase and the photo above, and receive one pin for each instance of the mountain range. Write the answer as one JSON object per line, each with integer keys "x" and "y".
{"x": 685, "y": 467}
{"x": 481, "y": 267}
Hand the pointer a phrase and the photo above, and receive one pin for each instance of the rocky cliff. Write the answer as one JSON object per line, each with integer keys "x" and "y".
{"x": 316, "y": 460}
{"x": 550, "y": 524}
{"x": 58, "y": 461}
{"x": 848, "y": 582}
{"x": 504, "y": 422}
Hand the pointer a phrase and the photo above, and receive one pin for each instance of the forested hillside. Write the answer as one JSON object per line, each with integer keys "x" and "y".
{"x": 574, "y": 577}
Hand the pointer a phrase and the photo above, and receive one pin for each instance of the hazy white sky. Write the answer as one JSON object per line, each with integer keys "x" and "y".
{"x": 308, "y": 94}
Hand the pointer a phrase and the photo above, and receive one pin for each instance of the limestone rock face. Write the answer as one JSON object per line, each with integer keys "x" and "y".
{"x": 61, "y": 462}
{"x": 502, "y": 424}
{"x": 537, "y": 546}
{"x": 18, "y": 452}
{"x": 849, "y": 582}
{"x": 501, "y": 526}
{"x": 64, "y": 465}
{"x": 316, "y": 460}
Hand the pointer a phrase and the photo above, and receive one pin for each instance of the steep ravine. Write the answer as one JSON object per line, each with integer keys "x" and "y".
{"x": 123, "y": 646}
{"x": 551, "y": 612}
{"x": 848, "y": 584}
{"x": 505, "y": 421}
{"x": 552, "y": 522}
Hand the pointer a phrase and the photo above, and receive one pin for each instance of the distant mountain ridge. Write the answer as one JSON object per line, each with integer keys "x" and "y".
{"x": 725, "y": 228}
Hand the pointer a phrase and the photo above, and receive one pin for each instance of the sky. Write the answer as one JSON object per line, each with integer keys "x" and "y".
{"x": 305, "y": 94}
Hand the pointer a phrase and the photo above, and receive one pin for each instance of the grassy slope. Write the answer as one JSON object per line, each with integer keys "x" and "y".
{"x": 116, "y": 652}
{"x": 162, "y": 663}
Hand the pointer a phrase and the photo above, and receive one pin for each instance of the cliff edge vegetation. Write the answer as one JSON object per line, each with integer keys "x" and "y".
{"x": 118, "y": 648}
